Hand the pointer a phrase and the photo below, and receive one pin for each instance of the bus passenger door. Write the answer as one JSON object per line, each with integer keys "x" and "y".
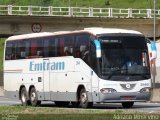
{"x": 46, "y": 79}
{"x": 94, "y": 71}
{"x": 95, "y": 86}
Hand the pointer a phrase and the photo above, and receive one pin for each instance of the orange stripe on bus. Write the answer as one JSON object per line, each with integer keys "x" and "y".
{"x": 11, "y": 70}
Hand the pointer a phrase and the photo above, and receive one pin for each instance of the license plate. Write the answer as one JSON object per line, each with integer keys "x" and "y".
{"x": 128, "y": 97}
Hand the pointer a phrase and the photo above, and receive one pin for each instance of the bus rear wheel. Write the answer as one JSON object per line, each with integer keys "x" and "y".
{"x": 23, "y": 97}
{"x": 127, "y": 104}
{"x": 34, "y": 97}
{"x": 83, "y": 101}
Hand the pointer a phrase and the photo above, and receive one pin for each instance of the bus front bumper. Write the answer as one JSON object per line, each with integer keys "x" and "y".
{"x": 123, "y": 97}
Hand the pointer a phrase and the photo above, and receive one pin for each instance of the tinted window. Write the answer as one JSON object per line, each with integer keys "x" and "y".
{"x": 20, "y": 50}
{"x": 53, "y": 46}
{"x": 65, "y": 45}
{"x": 36, "y": 48}
{"x": 93, "y": 58}
{"x": 10, "y": 53}
{"x": 68, "y": 45}
{"x": 124, "y": 55}
{"x": 82, "y": 46}
{"x": 60, "y": 46}
{"x": 50, "y": 46}
{"x": 27, "y": 48}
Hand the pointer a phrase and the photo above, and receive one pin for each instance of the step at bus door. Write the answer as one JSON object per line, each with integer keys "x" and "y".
{"x": 95, "y": 86}
{"x": 46, "y": 79}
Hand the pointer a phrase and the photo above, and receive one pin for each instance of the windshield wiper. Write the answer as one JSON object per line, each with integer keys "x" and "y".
{"x": 116, "y": 70}
{"x": 146, "y": 76}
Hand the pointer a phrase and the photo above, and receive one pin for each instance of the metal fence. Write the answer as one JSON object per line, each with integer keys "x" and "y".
{"x": 77, "y": 11}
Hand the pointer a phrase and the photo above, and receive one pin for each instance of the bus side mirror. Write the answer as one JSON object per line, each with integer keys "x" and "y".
{"x": 152, "y": 50}
{"x": 98, "y": 48}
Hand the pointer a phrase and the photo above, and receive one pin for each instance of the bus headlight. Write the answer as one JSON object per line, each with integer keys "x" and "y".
{"x": 108, "y": 90}
{"x": 145, "y": 90}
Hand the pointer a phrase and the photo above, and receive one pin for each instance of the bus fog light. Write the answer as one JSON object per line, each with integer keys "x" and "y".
{"x": 145, "y": 90}
{"x": 108, "y": 90}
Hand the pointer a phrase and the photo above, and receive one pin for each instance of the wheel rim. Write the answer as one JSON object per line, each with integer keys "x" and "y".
{"x": 23, "y": 97}
{"x": 33, "y": 96}
{"x": 83, "y": 98}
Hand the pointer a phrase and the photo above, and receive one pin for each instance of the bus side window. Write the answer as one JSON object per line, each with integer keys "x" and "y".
{"x": 17, "y": 50}
{"x": 84, "y": 51}
{"x": 20, "y": 51}
{"x": 10, "y": 50}
{"x": 33, "y": 48}
{"x": 53, "y": 41}
{"x": 82, "y": 47}
{"x": 36, "y": 48}
{"x": 61, "y": 47}
{"x": 93, "y": 58}
{"x": 50, "y": 47}
{"x": 27, "y": 48}
{"x": 68, "y": 45}
{"x": 67, "y": 51}
{"x": 40, "y": 48}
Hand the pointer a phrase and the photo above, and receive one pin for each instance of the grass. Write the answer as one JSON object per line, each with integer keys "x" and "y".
{"x": 1, "y": 52}
{"x": 49, "y": 113}
{"x": 53, "y": 113}
{"x": 86, "y": 3}
{"x": 61, "y": 117}
{"x": 49, "y": 110}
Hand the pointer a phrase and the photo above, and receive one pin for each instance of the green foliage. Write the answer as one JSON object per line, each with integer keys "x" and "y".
{"x": 85, "y": 3}
{"x": 1, "y": 52}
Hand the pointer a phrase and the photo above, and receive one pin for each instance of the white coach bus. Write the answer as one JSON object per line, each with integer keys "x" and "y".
{"x": 94, "y": 65}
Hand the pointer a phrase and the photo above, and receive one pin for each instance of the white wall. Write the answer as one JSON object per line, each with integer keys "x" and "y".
{"x": 157, "y": 77}
{"x": 158, "y": 55}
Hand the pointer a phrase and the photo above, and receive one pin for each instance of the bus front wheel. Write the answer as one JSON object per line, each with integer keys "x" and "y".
{"x": 34, "y": 97}
{"x": 23, "y": 97}
{"x": 84, "y": 103}
{"x": 127, "y": 104}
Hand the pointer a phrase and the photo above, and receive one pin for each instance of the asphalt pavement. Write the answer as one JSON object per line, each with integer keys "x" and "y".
{"x": 138, "y": 106}
{"x": 150, "y": 107}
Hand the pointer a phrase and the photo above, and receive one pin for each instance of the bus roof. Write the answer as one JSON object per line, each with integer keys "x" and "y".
{"x": 31, "y": 35}
{"x": 92, "y": 30}
{"x": 99, "y": 30}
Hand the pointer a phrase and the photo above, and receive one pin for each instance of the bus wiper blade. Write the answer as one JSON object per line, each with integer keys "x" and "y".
{"x": 113, "y": 70}
{"x": 109, "y": 76}
{"x": 117, "y": 69}
{"x": 142, "y": 75}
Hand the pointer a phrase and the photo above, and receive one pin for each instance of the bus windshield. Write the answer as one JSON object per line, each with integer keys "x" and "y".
{"x": 124, "y": 56}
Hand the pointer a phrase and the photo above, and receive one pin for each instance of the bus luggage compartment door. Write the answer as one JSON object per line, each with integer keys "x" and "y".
{"x": 46, "y": 79}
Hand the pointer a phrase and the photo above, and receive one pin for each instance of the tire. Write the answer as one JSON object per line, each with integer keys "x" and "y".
{"x": 61, "y": 103}
{"x": 127, "y": 104}
{"x": 34, "y": 97}
{"x": 83, "y": 101}
{"x": 23, "y": 96}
